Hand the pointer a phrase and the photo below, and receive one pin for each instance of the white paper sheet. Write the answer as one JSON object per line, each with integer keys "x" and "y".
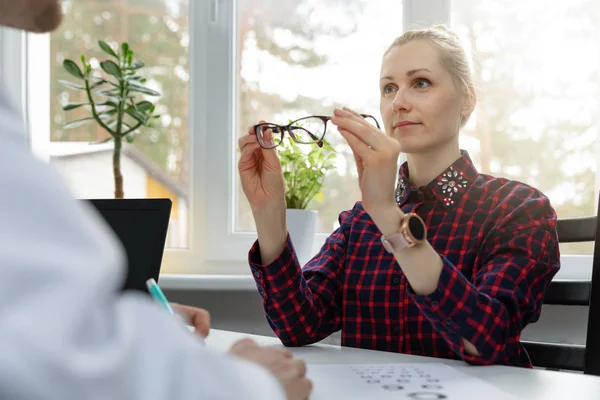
{"x": 416, "y": 381}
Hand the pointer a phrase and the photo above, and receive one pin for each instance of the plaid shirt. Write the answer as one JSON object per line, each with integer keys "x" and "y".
{"x": 497, "y": 239}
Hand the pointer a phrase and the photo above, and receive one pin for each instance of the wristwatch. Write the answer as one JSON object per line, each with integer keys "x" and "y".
{"x": 412, "y": 232}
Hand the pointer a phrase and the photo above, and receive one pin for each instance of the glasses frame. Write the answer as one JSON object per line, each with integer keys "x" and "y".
{"x": 289, "y": 128}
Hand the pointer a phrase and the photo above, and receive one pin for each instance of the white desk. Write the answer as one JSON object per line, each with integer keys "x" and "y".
{"x": 525, "y": 383}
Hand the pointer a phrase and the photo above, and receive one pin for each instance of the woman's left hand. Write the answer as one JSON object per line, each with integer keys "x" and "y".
{"x": 199, "y": 318}
{"x": 376, "y": 156}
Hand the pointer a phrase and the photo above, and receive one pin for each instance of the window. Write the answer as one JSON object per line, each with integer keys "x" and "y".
{"x": 300, "y": 58}
{"x": 537, "y": 116}
{"x": 156, "y": 164}
{"x": 221, "y": 65}
{"x": 295, "y": 60}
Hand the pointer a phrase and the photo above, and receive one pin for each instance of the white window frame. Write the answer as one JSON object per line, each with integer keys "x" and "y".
{"x": 215, "y": 248}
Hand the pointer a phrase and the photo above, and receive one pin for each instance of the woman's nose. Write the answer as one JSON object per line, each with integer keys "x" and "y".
{"x": 400, "y": 102}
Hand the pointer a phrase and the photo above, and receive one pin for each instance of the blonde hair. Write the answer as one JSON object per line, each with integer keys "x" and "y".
{"x": 452, "y": 54}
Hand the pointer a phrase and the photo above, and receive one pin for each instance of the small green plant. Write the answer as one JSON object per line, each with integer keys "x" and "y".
{"x": 304, "y": 172}
{"x": 118, "y": 112}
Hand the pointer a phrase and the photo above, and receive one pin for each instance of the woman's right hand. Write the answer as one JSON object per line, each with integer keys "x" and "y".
{"x": 264, "y": 187}
{"x": 261, "y": 175}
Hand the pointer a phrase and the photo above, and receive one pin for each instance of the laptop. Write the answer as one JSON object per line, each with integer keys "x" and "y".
{"x": 141, "y": 225}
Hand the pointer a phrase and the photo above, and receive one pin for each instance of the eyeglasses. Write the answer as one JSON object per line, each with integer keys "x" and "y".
{"x": 307, "y": 130}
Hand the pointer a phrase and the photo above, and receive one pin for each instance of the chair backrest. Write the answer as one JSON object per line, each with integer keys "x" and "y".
{"x": 572, "y": 292}
{"x": 592, "y": 348}
{"x": 579, "y": 293}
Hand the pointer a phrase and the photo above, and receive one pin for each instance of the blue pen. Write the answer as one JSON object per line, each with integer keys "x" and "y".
{"x": 158, "y": 295}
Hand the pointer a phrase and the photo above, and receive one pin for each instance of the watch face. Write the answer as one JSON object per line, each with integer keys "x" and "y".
{"x": 416, "y": 228}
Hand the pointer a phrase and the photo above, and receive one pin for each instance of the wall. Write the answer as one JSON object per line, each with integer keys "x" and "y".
{"x": 241, "y": 311}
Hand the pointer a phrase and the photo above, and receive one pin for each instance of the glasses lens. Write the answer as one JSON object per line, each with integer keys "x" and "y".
{"x": 268, "y": 135}
{"x": 308, "y": 130}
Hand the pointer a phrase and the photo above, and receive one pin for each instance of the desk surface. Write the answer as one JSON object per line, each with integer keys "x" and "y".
{"x": 531, "y": 384}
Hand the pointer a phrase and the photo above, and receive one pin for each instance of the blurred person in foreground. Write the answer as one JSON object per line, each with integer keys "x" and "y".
{"x": 66, "y": 332}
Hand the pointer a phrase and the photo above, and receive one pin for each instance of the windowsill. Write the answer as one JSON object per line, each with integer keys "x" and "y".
{"x": 574, "y": 267}
{"x": 207, "y": 282}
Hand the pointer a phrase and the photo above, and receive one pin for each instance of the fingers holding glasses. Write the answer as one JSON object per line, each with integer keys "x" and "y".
{"x": 263, "y": 132}
{"x": 356, "y": 125}
{"x": 246, "y": 140}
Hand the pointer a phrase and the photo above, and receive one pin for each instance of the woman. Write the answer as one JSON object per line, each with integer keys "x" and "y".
{"x": 453, "y": 263}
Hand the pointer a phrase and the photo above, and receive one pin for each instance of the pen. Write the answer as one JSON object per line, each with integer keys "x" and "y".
{"x": 158, "y": 295}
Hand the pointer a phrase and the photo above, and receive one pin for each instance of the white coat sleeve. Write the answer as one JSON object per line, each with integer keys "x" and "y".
{"x": 66, "y": 332}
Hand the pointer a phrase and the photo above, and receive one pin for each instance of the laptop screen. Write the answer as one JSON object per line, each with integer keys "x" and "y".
{"x": 141, "y": 225}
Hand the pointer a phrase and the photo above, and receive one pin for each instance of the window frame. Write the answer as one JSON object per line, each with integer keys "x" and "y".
{"x": 215, "y": 248}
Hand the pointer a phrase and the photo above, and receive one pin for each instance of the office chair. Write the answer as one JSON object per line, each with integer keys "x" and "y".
{"x": 574, "y": 293}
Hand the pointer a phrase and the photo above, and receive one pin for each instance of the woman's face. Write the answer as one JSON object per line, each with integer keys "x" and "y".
{"x": 421, "y": 105}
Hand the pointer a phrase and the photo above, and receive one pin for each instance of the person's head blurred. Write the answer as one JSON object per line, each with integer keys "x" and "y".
{"x": 31, "y": 15}
{"x": 426, "y": 80}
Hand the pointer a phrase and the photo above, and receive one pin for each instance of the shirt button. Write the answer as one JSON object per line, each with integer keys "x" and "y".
{"x": 396, "y": 280}
{"x": 261, "y": 290}
{"x": 257, "y": 274}
{"x": 449, "y": 321}
{"x": 434, "y": 303}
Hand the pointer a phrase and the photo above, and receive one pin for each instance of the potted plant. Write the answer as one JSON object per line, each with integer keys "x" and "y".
{"x": 118, "y": 111}
{"x": 304, "y": 174}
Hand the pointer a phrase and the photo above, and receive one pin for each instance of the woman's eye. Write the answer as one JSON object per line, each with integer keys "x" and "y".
{"x": 422, "y": 83}
{"x": 388, "y": 89}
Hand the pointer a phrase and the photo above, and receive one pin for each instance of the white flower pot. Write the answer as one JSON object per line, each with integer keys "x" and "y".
{"x": 302, "y": 226}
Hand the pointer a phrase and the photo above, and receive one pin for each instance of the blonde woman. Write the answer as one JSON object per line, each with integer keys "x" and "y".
{"x": 448, "y": 263}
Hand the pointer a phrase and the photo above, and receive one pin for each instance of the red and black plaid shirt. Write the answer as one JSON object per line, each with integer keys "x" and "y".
{"x": 497, "y": 239}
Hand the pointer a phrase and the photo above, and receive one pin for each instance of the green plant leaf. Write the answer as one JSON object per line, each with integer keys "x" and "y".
{"x": 97, "y": 84}
{"x": 72, "y": 68}
{"x": 125, "y": 48}
{"x": 72, "y": 106}
{"x": 108, "y": 103}
{"x": 130, "y": 137}
{"x": 100, "y": 79}
{"x": 143, "y": 106}
{"x": 76, "y": 123}
{"x": 139, "y": 117}
{"x": 133, "y": 79}
{"x": 137, "y": 65}
{"x": 144, "y": 90}
{"x": 107, "y": 49}
{"x": 108, "y": 93}
{"x": 111, "y": 68}
{"x": 72, "y": 85}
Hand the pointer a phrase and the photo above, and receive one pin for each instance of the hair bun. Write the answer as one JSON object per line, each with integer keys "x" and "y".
{"x": 445, "y": 29}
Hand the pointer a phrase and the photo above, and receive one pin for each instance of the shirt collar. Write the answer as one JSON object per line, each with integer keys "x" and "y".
{"x": 447, "y": 187}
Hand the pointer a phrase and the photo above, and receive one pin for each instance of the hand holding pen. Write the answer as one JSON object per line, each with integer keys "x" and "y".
{"x": 197, "y": 317}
